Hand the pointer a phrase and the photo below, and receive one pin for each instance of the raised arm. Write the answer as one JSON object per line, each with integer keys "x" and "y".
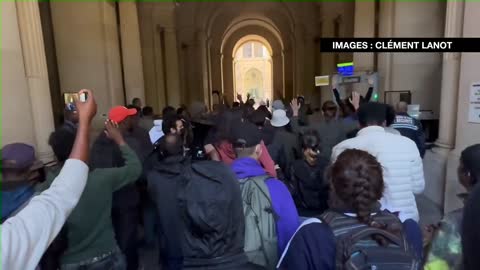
{"x": 368, "y": 96}
{"x": 240, "y": 99}
{"x": 86, "y": 112}
{"x": 132, "y": 169}
{"x": 370, "y": 89}
{"x": 295, "y": 106}
{"x": 26, "y": 236}
{"x": 337, "y": 97}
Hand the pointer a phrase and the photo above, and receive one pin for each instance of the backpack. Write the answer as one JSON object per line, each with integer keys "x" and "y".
{"x": 356, "y": 249}
{"x": 260, "y": 227}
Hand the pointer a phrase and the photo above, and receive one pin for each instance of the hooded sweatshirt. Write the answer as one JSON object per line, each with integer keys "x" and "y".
{"x": 288, "y": 221}
{"x": 227, "y": 155}
{"x": 156, "y": 132}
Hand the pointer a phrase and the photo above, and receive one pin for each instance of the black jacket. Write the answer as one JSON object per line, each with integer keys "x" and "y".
{"x": 212, "y": 236}
{"x": 309, "y": 189}
{"x": 284, "y": 149}
{"x": 412, "y": 129}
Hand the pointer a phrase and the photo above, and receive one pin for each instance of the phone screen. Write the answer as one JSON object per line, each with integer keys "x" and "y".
{"x": 70, "y": 98}
{"x": 83, "y": 97}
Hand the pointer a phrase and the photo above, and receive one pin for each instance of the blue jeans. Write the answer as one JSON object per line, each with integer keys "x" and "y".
{"x": 114, "y": 261}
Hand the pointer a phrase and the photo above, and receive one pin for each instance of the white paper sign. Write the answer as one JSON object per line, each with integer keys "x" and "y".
{"x": 474, "y": 104}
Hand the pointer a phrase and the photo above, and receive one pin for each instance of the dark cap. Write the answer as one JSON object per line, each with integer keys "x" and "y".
{"x": 19, "y": 156}
{"x": 246, "y": 135}
{"x": 19, "y": 166}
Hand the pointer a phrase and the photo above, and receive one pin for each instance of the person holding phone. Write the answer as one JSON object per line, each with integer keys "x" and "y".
{"x": 70, "y": 113}
{"x": 26, "y": 236}
{"x": 90, "y": 233}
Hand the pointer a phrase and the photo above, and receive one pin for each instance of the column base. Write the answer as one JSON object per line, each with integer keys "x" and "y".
{"x": 442, "y": 148}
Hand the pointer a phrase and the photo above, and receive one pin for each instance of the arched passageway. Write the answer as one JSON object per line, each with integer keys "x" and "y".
{"x": 262, "y": 43}
{"x": 252, "y": 68}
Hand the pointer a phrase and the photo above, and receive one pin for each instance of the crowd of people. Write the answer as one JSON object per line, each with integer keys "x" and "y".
{"x": 251, "y": 185}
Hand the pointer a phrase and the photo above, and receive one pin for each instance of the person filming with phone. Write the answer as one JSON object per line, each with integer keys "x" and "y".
{"x": 26, "y": 235}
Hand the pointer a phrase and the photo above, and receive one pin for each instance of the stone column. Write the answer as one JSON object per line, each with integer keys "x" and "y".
{"x": 385, "y": 60}
{"x": 364, "y": 28}
{"x": 171, "y": 58}
{"x": 299, "y": 61}
{"x": 328, "y": 59}
{"x": 450, "y": 79}
{"x": 309, "y": 69}
{"x": 37, "y": 75}
{"x": 204, "y": 65}
{"x": 131, "y": 51}
{"x": 278, "y": 74}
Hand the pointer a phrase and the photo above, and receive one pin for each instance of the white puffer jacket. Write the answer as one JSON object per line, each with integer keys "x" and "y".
{"x": 402, "y": 167}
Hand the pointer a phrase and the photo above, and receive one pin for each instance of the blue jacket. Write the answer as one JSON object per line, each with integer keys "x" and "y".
{"x": 411, "y": 128}
{"x": 12, "y": 200}
{"x": 282, "y": 201}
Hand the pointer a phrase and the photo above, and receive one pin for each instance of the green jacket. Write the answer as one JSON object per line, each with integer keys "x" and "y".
{"x": 90, "y": 229}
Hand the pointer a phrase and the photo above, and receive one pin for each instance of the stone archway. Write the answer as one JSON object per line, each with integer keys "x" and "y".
{"x": 252, "y": 68}
{"x": 222, "y": 25}
{"x": 263, "y": 32}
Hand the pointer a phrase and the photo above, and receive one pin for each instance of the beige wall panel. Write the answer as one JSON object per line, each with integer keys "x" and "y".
{"x": 17, "y": 123}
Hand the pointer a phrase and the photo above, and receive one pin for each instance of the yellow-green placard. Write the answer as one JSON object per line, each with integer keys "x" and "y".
{"x": 322, "y": 80}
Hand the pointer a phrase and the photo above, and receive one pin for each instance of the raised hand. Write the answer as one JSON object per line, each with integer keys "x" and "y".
{"x": 86, "y": 109}
{"x": 113, "y": 132}
{"x": 355, "y": 100}
{"x": 334, "y": 81}
{"x": 239, "y": 97}
{"x": 370, "y": 80}
{"x": 295, "y": 106}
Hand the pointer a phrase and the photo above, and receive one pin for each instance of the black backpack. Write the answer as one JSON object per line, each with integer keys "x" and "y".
{"x": 356, "y": 248}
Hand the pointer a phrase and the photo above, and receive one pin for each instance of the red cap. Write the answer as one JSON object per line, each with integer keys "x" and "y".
{"x": 119, "y": 113}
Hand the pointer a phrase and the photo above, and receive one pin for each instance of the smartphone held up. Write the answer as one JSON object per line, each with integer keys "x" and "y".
{"x": 71, "y": 97}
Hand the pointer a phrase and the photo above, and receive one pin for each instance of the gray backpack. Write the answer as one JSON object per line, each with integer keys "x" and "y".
{"x": 260, "y": 227}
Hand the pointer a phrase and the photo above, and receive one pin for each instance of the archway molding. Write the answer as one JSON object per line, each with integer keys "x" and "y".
{"x": 242, "y": 32}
